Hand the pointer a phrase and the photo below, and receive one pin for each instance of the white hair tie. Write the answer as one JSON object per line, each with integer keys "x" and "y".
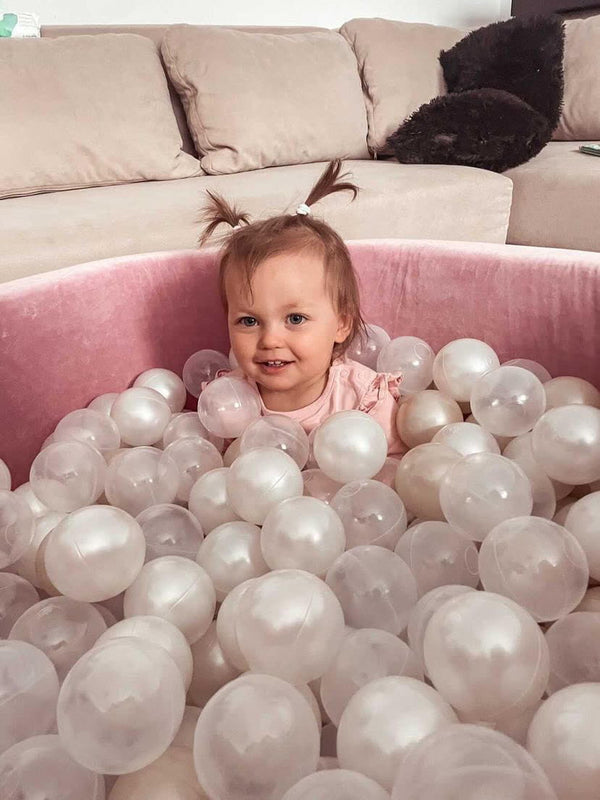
{"x": 303, "y": 209}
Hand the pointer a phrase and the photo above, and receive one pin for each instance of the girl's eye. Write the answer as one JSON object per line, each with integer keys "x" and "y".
{"x": 296, "y": 319}
{"x": 247, "y": 322}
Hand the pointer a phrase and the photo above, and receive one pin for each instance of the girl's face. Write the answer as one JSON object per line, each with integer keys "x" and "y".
{"x": 283, "y": 336}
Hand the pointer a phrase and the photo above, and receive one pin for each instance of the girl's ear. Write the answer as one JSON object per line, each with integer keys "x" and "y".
{"x": 343, "y": 329}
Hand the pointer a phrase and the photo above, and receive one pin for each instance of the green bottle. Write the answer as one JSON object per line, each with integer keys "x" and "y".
{"x": 7, "y": 24}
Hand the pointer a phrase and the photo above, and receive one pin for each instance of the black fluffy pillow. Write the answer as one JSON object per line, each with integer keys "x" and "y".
{"x": 486, "y": 128}
{"x": 522, "y": 55}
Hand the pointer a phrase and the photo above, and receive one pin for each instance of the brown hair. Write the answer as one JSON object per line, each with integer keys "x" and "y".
{"x": 251, "y": 243}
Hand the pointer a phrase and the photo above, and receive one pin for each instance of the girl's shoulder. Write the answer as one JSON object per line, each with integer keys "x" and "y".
{"x": 368, "y": 385}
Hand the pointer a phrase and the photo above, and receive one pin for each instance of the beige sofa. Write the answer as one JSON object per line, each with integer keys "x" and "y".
{"x": 352, "y": 86}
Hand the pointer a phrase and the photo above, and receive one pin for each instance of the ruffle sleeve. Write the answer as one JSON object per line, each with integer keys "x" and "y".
{"x": 380, "y": 401}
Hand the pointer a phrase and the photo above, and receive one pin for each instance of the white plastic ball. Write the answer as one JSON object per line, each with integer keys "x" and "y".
{"x": 582, "y": 521}
{"x": 5, "y": 477}
{"x": 411, "y": 356}
{"x": 467, "y": 438}
{"x": 141, "y": 477}
{"x": 103, "y": 402}
{"x": 16, "y": 527}
{"x": 176, "y": 589}
{"x": 231, "y": 554}
{"x": 141, "y": 414}
{"x": 290, "y": 624}
{"x": 336, "y": 784}
{"x": 540, "y": 372}
{"x": 566, "y": 391}
{"x": 508, "y": 401}
{"x": 209, "y": 501}
{"x": 94, "y": 553}
{"x": 277, "y": 430}
{"x": 318, "y": 485}
{"x": 419, "y": 476}
{"x": 226, "y": 626}
{"x": 187, "y": 423}
{"x": 171, "y": 775}
{"x": 459, "y": 364}
{"x": 91, "y": 427}
{"x": 566, "y": 444}
{"x": 302, "y": 533}
{"x": 211, "y": 670}
{"x": 574, "y": 645}
{"x": 193, "y": 457}
{"x": 350, "y": 446}
{"x": 228, "y": 405}
{"x": 260, "y": 479}
{"x": 425, "y": 413}
{"x": 166, "y": 383}
{"x": 28, "y": 566}
{"x": 120, "y": 706}
{"x": 16, "y": 596}
{"x": 68, "y": 475}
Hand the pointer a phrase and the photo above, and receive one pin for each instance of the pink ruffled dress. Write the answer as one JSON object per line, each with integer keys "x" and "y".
{"x": 350, "y": 386}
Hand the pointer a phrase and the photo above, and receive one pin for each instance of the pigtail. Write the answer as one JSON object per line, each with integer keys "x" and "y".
{"x": 330, "y": 181}
{"x": 218, "y": 211}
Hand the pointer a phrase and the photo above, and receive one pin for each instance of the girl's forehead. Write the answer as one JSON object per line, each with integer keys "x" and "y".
{"x": 287, "y": 278}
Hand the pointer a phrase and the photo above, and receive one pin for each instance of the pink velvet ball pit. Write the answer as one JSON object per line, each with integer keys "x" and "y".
{"x": 164, "y": 307}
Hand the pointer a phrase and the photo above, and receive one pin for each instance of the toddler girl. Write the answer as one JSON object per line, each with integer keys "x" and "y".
{"x": 292, "y": 303}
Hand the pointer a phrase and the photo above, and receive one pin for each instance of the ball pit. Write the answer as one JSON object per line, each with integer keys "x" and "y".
{"x": 308, "y": 679}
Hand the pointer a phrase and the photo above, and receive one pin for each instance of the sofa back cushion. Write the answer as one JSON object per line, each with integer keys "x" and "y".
{"x": 399, "y": 66}
{"x": 257, "y": 100}
{"x": 82, "y": 111}
{"x": 580, "y": 117}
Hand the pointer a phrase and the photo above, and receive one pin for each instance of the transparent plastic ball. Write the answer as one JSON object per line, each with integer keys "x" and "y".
{"x": 94, "y": 553}
{"x": 193, "y": 457}
{"x": 566, "y": 391}
{"x": 419, "y": 476}
{"x": 255, "y": 739}
{"x": 29, "y": 692}
{"x": 459, "y": 364}
{"x": 16, "y": 527}
{"x": 103, "y": 402}
{"x": 375, "y": 588}
{"x": 209, "y": 501}
{"x": 364, "y": 656}
{"x": 542, "y": 488}
{"x": 141, "y": 414}
{"x": 5, "y": 477}
{"x": 466, "y": 438}
{"x": 62, "y": 628}
{"x": 232, "y": 452}
{"x": 508, "y": 401}
{"x": 228, "y": 405}
{"x": 120, "y": 706}
{"x": 438, "y": 555}
{"x": 411, "y": 356}
{"x": 211, "y": 670}
{"x": 302, "y": 533}
{"x": 231, "y": 554}
{"x": 424, "y": 610}
{"x": 383, "y": 720}
{"x": 160, "y": 632}
{"x": 187, "y": 423}
{"x": 166, "y": 383}
{"x": 482, "y": 490}
{"x": 582, "y": 521}
{"x": 260, "y": 479}
{"x": 68, "y": 475}
{"x": 350, "y": 446}
{"x": 185, "y": 735}
{"x": 40, "y": 767}
{"x": 277, "y": 430}
{"x": 232, "y": 359}
{"x": 290, "y": 624}
{"x": 566, "y": 444}
{"x": 574, "y": 645}
{"x": 336, "y": 784}
{"x": 486, "y": 656}
{"x": 170, "y": 530}
{"x": 201, "y": 367}
{"x": 371, "y": 513}
{"x": 28, "y": 565}
{"x": 91, "y": 427}
{"x": 16, "y": 596}
{"x": 425, "y": 413}
{"x": 141, "y": 477}
{"x": 540, "y": 372}
{"x": 563, "y": 738}
{"x": 171, "y": 775}
{"x": 537, "y": 563}
{"x": 470, "y": 761}
{"x": 366, "y": 349}
{"x": 226, "y": 627}
{"x": 318, "y": 485}
{"x": 591, "y": 600}
{"x": 176, "y": 589}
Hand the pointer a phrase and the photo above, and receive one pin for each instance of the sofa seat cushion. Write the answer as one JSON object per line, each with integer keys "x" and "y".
{"x": 395, "y": 201}
{"x": 556, "y": 197}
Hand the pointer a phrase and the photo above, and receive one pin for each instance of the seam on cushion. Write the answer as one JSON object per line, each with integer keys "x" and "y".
{"x": 370, "y": 104}
{"x": 189, "y": 95}
{"x": 72, "y": 187}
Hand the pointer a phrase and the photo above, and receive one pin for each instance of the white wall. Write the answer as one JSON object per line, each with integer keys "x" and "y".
{"x": 327, "y": 13}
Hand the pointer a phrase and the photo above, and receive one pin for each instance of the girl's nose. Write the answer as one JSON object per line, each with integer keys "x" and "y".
{"x": 270, "y": 337}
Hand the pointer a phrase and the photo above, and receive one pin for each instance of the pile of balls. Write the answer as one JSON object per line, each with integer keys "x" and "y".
{"x": 213, "y": 604}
